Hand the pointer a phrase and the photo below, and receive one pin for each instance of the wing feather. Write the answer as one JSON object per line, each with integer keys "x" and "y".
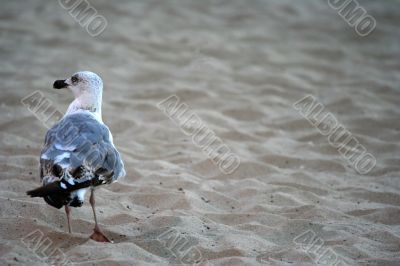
{"x": 80, "y": 140}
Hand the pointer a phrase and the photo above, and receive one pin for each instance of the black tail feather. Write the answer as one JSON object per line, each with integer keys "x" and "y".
{"x": 52, "y": 193}
{"x": 56, "y": 188}
{"x": 57, "y": 201}
{"x": 52, "y": 188}
{"x": 58, "y": 193}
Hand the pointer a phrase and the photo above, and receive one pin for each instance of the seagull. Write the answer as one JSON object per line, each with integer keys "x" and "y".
{"x": 78, "y": 153}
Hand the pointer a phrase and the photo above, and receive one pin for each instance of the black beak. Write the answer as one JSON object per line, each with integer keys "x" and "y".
{"x": 60, "y": 84}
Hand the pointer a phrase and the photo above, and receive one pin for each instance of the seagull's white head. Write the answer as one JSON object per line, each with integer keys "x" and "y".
{"x": 83, "y": 82}
{"x": 87, "y": 88}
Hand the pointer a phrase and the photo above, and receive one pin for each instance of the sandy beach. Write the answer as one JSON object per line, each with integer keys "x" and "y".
{"x": 240, "y": 66}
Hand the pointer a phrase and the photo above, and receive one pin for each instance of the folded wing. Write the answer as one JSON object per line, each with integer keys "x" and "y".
{"x": 78, "y": 152}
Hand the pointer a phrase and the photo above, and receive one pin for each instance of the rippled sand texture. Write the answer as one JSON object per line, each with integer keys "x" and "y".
{"x": 239, "y": 65}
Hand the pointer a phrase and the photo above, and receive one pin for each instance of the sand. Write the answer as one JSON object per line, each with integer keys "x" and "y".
{"x": 240, "y": 66}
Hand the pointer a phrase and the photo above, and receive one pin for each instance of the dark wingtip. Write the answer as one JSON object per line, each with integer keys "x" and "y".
{"x": 51, "y": 193}
{"x": 44, "y": 191}
{"x": 38, "y": 192}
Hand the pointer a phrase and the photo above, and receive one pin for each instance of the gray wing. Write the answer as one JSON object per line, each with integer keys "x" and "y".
{"x": 80, "y": 147}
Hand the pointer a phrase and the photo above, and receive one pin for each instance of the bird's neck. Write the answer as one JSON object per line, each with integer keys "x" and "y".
{"x": 86, "y": 102}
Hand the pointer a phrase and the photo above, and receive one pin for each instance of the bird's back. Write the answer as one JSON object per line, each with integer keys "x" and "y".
{"x": 78, "y": 153}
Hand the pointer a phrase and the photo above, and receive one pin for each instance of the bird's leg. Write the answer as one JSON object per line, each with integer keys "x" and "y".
{"x": 97, "y": 234}
{"x": 67, "y": 211}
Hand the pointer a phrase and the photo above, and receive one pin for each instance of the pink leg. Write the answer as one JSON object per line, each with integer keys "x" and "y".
{"x": 97, "y": 234}
{"x": 67, "y": 211}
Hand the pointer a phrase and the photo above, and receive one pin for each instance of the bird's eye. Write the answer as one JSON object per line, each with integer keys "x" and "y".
{"x": 74, "y": 79}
